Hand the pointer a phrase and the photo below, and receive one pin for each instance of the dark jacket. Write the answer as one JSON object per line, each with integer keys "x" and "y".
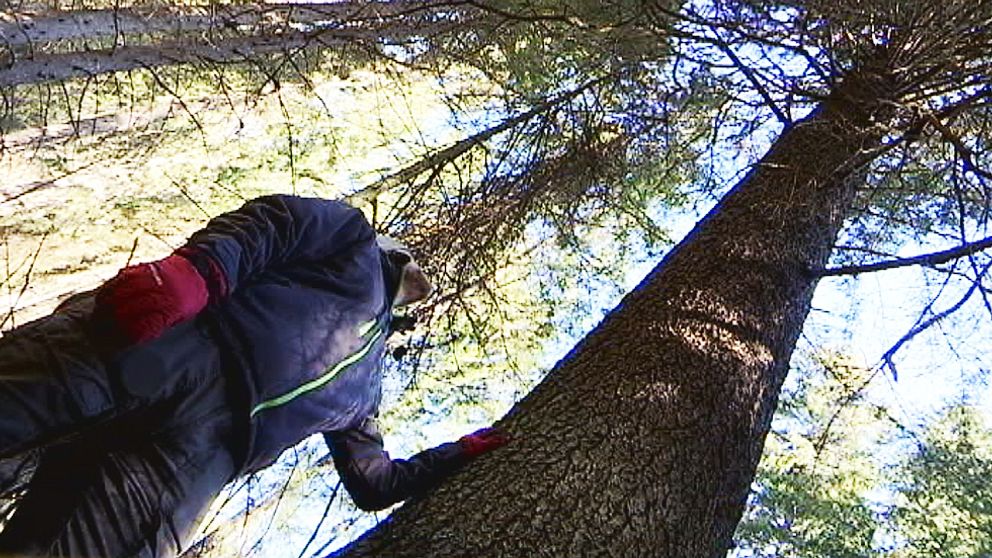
{"x": 299, "y": 312}
{"x": 303, "y": 319}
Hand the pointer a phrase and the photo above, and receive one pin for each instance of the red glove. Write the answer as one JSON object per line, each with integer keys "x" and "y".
{"x": 482, "y": 441}
{"x": 144, "y": 300}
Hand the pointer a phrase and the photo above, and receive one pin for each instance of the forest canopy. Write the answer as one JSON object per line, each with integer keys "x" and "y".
{"x": 539, "y": 158}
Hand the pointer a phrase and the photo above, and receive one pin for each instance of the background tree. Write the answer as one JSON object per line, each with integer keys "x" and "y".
{"x": 943, "y": 508}
{"x": 821, "y": 471}
{"x": 860, "y": 496}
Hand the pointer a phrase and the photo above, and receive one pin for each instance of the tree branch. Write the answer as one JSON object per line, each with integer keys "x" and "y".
{"x": 749, "y": 73}
{"x": 963, "y": 151}
{"x": 27, "y": 282}
{"x": 929, "y": 260}
{"x": 444, "y": 156}
{"x": 888, "y": 357}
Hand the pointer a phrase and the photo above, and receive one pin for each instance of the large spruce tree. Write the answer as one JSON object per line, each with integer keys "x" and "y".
{"x": 644, "y": 440}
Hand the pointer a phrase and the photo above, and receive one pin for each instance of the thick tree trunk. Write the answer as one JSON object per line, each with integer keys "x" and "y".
{"x": 644, "y": 440}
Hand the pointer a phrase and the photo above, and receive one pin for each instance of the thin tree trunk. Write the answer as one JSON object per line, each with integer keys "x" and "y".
{"x": 281, "y": 29}
{"x": 28, "y": 29}
{"x": 644, "y": 440}
{"x": 33, "y": 138}
{"x": 57, "y": 67}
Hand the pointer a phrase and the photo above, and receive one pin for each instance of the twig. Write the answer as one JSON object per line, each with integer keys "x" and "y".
{"x": 758, "y": 86}
{"x": 41, "y": 184}
{"x": 887, "y": 358}
{"x": 323, "y": 517}
{"x": 134, "y": 247}
{"x": 288, "y": 125}
{"x": 821, "y": 442}
{"x": 27, "y": 281}
{"x": 278, "y": 502}
{"x": 186, "y": 194}
{"x": 963, "y": 151}
{"x": 161, "y": 83}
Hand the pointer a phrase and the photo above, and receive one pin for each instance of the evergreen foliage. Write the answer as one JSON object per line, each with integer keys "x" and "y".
{"x": 525, "y": 149}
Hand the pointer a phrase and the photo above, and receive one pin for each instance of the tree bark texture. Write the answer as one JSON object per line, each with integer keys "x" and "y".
{"x": 644, "y": 439}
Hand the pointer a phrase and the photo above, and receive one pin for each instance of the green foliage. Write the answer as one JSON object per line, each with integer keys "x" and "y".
{"x": 826, "y": 485}
{"x": 812, "y": 496}
{"x": 564, "y": 250}
{"x": 944, "y": 505}
{"x": 89, "y": 197}
{"x": 805, "y": 515}
{"x": 533, "y": 48}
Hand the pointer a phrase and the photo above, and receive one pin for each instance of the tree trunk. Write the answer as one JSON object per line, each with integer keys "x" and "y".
{"x": 27, "y": 29}
{"x": 58, "y": 67}
{"x": 221, "y": 34}
{"x": 644, "y": 439}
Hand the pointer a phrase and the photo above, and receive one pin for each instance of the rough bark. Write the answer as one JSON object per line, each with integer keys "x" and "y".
{"x": 644, "y": 439}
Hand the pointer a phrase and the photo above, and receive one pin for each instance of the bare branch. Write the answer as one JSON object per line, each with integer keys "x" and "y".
{"x": 175, "y": 95}
{"x": 929, "y": 260}
{"x": 889, "y": 355}
{"x": 323, "y": 517}
{"x": 751, "y": 76}
{"x": 27, "y": 282}
{"x": 450, "y": 153}
{"x": 963, "y": 151}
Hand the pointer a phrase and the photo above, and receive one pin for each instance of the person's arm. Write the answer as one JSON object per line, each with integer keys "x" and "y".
{"x": 271, "y": 231}
{"x": 144, "y": 300}
{"x": 376, "y": 481}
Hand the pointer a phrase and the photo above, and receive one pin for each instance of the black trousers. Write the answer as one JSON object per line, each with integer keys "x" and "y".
{"x": 132, "y": 445}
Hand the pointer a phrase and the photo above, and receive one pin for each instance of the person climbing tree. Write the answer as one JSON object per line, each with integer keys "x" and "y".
{"x": 148, "y": 395}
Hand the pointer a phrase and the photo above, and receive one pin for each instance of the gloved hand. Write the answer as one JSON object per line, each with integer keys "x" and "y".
{"x": 146, "y": 299}
{"x": 482, "y": 441}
